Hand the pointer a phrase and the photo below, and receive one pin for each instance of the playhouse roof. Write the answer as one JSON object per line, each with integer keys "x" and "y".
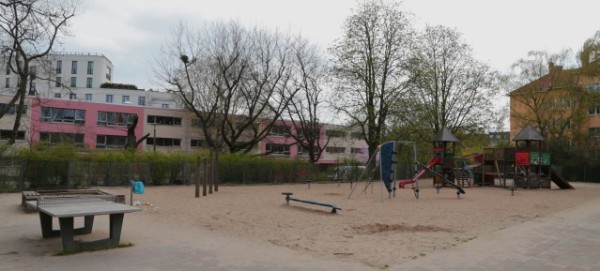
{"x": 528, "y": 134}
{"x": 444, "y": 135}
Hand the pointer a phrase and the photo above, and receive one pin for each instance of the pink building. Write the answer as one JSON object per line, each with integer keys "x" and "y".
{"x": 340, "y": 142}
{"x": 90, "y": 125}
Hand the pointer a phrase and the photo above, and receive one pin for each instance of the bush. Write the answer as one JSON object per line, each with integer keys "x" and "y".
{"x": 118, "y": 86}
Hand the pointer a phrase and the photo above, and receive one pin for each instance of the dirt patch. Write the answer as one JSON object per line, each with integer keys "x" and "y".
{"x": 378, "y": 228}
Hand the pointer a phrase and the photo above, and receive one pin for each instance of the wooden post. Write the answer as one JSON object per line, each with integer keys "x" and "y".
{"x": 198, "y": 178}
{"x": 210, "y": 175}
{"x": 130, "y": 194}
{"x": 216, "y": 170}
{"x": 204, "y": 181}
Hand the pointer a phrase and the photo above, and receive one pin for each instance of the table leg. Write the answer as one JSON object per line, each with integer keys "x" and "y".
{"x": 116, "y": 224}
{"x": 46, "y": 223}
{"x": 88, "y": 224}
{"x": 67, "y": 233}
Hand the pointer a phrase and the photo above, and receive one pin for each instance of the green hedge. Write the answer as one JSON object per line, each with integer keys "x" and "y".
{"x": 66, "y": 167}
{"x": 118, "y": 86}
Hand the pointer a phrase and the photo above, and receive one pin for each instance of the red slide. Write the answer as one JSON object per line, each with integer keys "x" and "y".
{"x": 434, "y": 161}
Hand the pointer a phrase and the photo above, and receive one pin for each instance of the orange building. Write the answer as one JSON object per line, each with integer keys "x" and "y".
{"x": 562, "y": 104}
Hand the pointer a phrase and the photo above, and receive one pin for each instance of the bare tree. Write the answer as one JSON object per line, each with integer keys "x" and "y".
{"x": 303, "y": 110}
{"x": 132, "y": 142}
{"x": 448, "y": 87}
{"x": 232, "y": 78}
{"x": 368, "y": 66}
{"x": 28, "y": 31}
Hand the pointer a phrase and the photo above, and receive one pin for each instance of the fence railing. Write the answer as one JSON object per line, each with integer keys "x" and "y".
{"x": 37, "y": 175}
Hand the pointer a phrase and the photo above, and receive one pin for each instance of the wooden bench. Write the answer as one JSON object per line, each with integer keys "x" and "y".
{"x": 27, "y": 196}
{"x": 288, "y": 196}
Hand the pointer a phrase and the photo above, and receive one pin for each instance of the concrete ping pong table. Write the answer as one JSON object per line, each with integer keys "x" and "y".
{"x": 66, "y": 209}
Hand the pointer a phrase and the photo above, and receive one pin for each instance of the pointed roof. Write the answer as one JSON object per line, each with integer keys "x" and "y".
{"x": 528, "y": 134}
{"x": 444, "y": 135}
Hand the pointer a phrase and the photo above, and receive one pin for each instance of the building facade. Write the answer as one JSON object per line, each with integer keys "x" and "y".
{"x": 67, "y": 104}
{"x": 340, "y": 144}
{"x": 562, "y": 104}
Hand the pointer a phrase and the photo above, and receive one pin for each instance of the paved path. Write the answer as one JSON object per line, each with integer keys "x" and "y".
{"x": 569, "y": 240}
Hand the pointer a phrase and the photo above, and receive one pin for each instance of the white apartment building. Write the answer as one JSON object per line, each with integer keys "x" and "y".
{"x": 62, "y": 73}
{"x": 78, "y": 76}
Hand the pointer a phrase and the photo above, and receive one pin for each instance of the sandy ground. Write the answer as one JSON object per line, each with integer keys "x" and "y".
{"x": 367, "y": 231}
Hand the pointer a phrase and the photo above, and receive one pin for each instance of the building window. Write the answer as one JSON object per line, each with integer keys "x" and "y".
{"x": 32, "y": 89}
{"x": 125, "y": 99}
{"x": 196, "y": 123}
{"x": 109, "y": 98}
{"x": 164, "y": 142}
{"x": 196, "y": 143}
{"x": 335, "y": 133}
{"x": 307, "y": 132}
{"x": 57, "y": 95}
{"x": 594, "y": 87}
{"x": 13, "y": 109}
{"x": 357, "y": 150}
{"x": 164, "y": 120}
{"x": 33, "y": 72}
{"x": 141, "y": 100}
{"x": 303, "y": 151}
{"x": 89, "y": 82}
{"x": 594, "y": 132}
{"x": 115, "y": 118}
{"x": 58, "y": 66}
{"x": 88, "y": 97}
{"x": 110, "y": 142}
{"x": 51, "y": 114}
{"x": 58, "y": 82}
{"x": 74, "y": 67}
{"x": 7, "y": 83}
{"x": 594, "y": 110}
{"x": 280, "y": 149}
{"x": 561, "y": 103}
{"x": 7, "y": 134}
{"x": 90, "y": 67}
{"x": 7, "y": 69}
{"x": 108, "y": 73}
{"x": 280, "y": 130}
{"x": 73, "y": 96}
{"x": 73, "y": 82}
{"x": 58, "y": 138}
{"x": 335, "y": 149}
{"x": 165, "y": 105}
{"x": 356, "y": 135}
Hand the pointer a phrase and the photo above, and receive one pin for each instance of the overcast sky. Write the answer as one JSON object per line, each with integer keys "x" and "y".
{"x": 130, "y": 32}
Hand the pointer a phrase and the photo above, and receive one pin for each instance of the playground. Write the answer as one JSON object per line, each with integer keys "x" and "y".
{"x": 366, "y": 232}
{"x": 342, "y": 225}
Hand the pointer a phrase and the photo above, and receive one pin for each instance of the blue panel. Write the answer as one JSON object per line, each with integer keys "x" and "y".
{"x": 386, "y": 153}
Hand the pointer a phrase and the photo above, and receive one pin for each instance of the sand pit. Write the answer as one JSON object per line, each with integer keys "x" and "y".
{"x": 366, "y": 230}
